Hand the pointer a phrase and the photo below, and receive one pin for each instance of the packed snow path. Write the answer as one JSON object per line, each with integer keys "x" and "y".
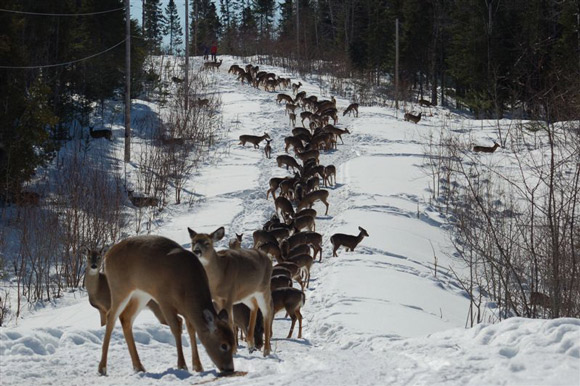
{"x": 375, "y": 316}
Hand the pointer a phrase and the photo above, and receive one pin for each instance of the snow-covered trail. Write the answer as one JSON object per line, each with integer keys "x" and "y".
{"x": 368, "y": 314}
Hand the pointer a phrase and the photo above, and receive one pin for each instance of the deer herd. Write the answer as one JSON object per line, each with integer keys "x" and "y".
{"x": 218, "y": 293}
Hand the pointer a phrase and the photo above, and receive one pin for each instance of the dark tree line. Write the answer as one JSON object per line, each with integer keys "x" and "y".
{"x": 41, "y": 105}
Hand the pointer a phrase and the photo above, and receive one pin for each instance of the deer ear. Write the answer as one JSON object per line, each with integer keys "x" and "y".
{"x": 218, "y": 234}
{"x": 210, "y": 320}
{"x": 192, "y": 233}
{"x": 223, "y": 316}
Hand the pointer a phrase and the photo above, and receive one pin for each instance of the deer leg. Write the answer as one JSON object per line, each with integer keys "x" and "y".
{"x": 103, "y": 314}
{"x": 293, "y": 317}
{"x": 194, "y": 354}
{"x": 326, "y": 203}
{"x": 299, "y": 315}
{"x": 117, "y": 306}
{"x": 127, "y": 317}
{"x": 252, "y": 326}
{"x": 267, "y": 307}
{"x": 175, "y": 325}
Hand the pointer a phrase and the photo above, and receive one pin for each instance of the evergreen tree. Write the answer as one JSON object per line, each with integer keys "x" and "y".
{"x": 173, "y": 27}
{"x": 153, "y": 24}
{"x": 205, "y": 26}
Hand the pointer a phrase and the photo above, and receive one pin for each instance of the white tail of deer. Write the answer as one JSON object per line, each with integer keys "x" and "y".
{"x": 143, "y": 268}
{"x": 237, "y": 276}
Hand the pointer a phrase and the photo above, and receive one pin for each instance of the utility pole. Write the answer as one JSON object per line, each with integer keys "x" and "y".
{"x": 127, "y": 81}
{"x": 195, "y": 28}
{"x": 397, "y": 64}
{"x": 186, "y": 55}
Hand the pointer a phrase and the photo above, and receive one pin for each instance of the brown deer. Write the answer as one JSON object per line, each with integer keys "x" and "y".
{"x": 295, "y": 87}
{"x": 352, "y": 108}
{"x": 253, "y": 139}
{"x": 486, "y": 149}
{"x": 308, "y": 154}
{"x": 412, "y": 118}
{"x": 213, "y": 65}
{"x": 237, "y": 276}
{"x": 288, "y": 161}
{"x": 310, "y": 198}
{"x": 280, "y": 281}
{"x": 144, "y": 268}
{"x": 142, "y": 202}
{"x": 299, "y": 96}
{"x": 284, "y": 97}
{"x": 306, "y": 212}
{"x": 268, "y": 149}
{"x": 242, "y": 314}
{"x": 291, "y": 300}
{"x": 284, "y": 206}
{"x": 234, "y": 69}
{"x": 329, "y": 175}
{"x": 295, "y": 142}
{"x": 540, "y": 299}
{"x": 336, "y": 131}
{"x": 350, "y": 242}
{"x": 312, "y": 239}
{"x": 262, "y": 236}
{"x": 303, "y": 222}
{"x": 104, "y": 133}
{"x": 425, "y": 103}
{"x": 236, "y": 243}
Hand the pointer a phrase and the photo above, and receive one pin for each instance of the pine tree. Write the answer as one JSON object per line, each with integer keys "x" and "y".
{"x": 205, "y": 26}
{"x": 173, "y": 27}
{"x": 153, "y": 24}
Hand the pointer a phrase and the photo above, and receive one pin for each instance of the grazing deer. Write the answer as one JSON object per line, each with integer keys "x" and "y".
{"x": 284, "y": 97}
{"x": 412, "y": 118}
{"x": 234, "y": 69}
{"x": 295, "y": 142}
{"x": 236, "y": 243}
{"x": 242, "y": 314}
{"x": 280, "y": 281}
{"x": 486, "y": 149}
{"x": 288, "y": 161}
{"x": 284, "y": 206}
{"x": 237, "y": 276}
{"x": 540, "y": 299}
{"x": 144, "y": 268}
{"x": 303, "y": 222}
{"x": 261, "y": 237}
{"x": 141, "y": 202}
{"x": 313, "y": 239}
{"x": 213, "y": 65}
{"x": 352, "y": 108}
{"x": 316, "y": 195}
{"x": 307, "y": 155}
{"x": 268, "y": 149}
{"x": 253, "y": 139}
{"x": 425, "y": 103}
{"x": 295, "y": 87}
{"x": 295, "y": 271}
{"x": 305, "y": 115}
{"x": 305, "y": 212}
{"x": 274, "y": 184}
{"x": 304, "y": 262}
{"x": 350, "y": 242}
{"x": 272, "y": 249}
{"x": 104, "y": 133}
{"x": 291, "y": 300}
{"x": 329, "y": 175}
{"x": 336, "y": 131}
{"x": 299, "y": 96}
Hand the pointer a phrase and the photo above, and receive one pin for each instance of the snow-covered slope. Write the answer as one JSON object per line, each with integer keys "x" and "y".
{"x": 375, "y": 316}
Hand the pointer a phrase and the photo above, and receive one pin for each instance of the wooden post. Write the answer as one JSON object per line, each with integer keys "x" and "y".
{"x": 397, "y": 64}
{"x": 186, "y": 54}
{"x": 127, "y": 81}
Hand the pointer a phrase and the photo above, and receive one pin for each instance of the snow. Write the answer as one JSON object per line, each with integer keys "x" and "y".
{"x": 383, "y": 314}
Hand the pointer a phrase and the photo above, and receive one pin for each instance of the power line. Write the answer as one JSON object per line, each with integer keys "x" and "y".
{"x": 67, "y": 63}
{"x": 61, "y": 14}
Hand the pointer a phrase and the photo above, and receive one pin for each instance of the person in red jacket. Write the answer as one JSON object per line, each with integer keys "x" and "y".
{"x": 214, "y": 51}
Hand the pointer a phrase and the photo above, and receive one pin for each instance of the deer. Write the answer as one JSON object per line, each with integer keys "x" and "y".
{"x": 305, "y": 212}
{"x": 234, "y": 69}
{"x": 295, "y": 87}
{"x": 425, "y": 103}
{"x": 310, "y": 198}
{"x": 313, "y": 239}
{"x": 242, "y": 315}
{"x": 412, "y": 118}
{"x": 213, "y": 65}
{"x": 329, "y": 175}
{"x": 292, "y": 118}
{"x": 540, "y": 299}
{"x": 104, "y": 133}
{"x": 290, "y": 108}
{"x": 237, "y": 276}
{"x": 336, "y": 131}
{"x": 236, "y": 243}
{"x": 299, "y": 96}
{"x": 142, "y": 202}
{"x": 272, "y": 249}
{"x": 253, "y": 139}
{"x": 268, "y": 149}
{"x": 351, "y": 109}
{"x": 308, "y": 154}
{"x": 303, "y": 222}
{"x": 284, "y": 206}
{"x": 295, "y": 142}
{"x": 144, "y": 268}
{"x": 291, "y": 300}
{"x": 280, "y": 281}
{"x": 486, "y": 149}
{"x": 288, "y": 161}
{"x": 302, "y": 260}
{"x": 284, "y": 97}
{"x": 175, "y": 79}
{"x": 274, "y": 184}
{"x": 261, "y": 237}
{"x": 349, "y": 241}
